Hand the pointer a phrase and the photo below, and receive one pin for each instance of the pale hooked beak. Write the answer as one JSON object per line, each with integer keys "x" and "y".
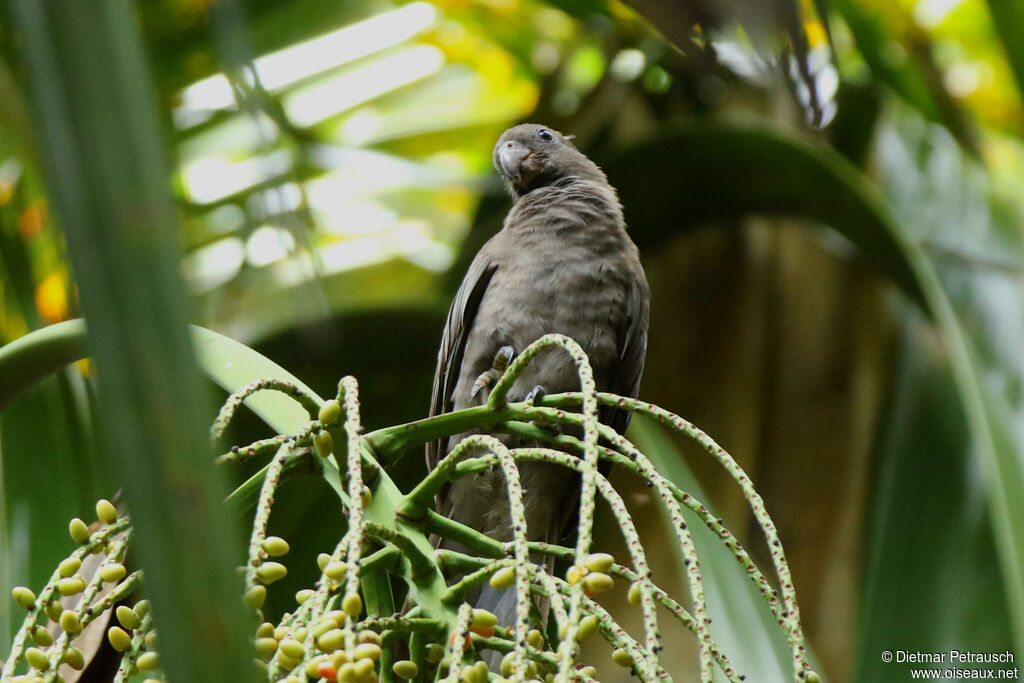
{"x": 510, "y": 158}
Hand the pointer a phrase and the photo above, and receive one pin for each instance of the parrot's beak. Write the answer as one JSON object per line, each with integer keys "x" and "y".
{"x": 511, "y": 156}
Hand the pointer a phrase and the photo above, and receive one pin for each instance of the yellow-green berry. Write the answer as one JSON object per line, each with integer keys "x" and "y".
{"x": 589, "y": 671}
{"x": 331, "y": 640}
{"x": 127, "y": 617}
{"x": 622, "y": 657}
{"x": 292, "y": 648}
{"x": 323, "y": 626}
{"x": 74, "y": 658}
{"x": 599, "y": 562}
{"x": 367, "y": 651}
{"x": 364, "y": 667}
{"x": 113, "y": 572}
{"x": 142, "y": 608}
{"x": 324, "y": 443}
{"x": 54, "y": 610}
{"x": 322, "y": 560}
{"x": 368, "y": 636}
{"x": 42, "y": 636}
{"x": 575, "y": 574}
{"x": 280, "y": 632}
{"x": 105, "y": 511}
{"x": 71, "y": 586}
{"x": 37, "y": 659}
{"x": 265, "y": 630}
{"x": 503, "y": 578}
{"x": 330, "y": 411}
{"x": 265, "y": 647}
{"x": 24, "y": 597}
{"x": 79, "y": 531}
{"x": 303, "y": 595}
{"x": 148, "y": 661}
{"x": 336, "y": 570}
{"x": 506, "y": 664}
{"x": 596, "y": 583}
{"x": 347, "y": 673}
{"x": 275, "y": 546}
{"x": 119, "y": 638}
{"x": 536, "y": 639}
{"x": 269, "y": 572}
{"x": 405, "y": 668}
{"x": 256, "y": 596}
{"x": 635, "y": 595}
{"x": 70, "y": 623}
{"x": 811, "y": 677}
{"x": 151, "y": 639}
{"x": 68, "y": 567}
{"x": 588, "y": 626}
{"x": 435, "y": 653}
{"x": 352, "y": 604}
{"x": 481, "y": 618}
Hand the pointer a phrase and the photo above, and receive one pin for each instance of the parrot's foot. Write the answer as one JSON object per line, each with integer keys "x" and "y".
{"x": 536, "y": 394}
{"x": 502, "y": 358}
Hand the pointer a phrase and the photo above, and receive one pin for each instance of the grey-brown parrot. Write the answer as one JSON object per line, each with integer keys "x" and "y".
{"x": 562, "y": 263}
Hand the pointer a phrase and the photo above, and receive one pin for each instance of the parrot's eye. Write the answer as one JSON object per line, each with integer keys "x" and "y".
{"x": 545, "y": 135}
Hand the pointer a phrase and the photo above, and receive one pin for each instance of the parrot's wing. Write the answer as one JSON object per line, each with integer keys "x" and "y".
{"x": 453, "y": 343}
{"x": 624, "y": 378}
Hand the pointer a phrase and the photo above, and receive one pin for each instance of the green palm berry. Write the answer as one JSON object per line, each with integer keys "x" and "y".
{"x": 330, "y": 411}
{"x": 323, "y": 626}
{"x": 79, "y": 531}
{"x": 42, "y": 636}
{"x": 481, "y": 618}
{"x": 506, "y": 664}
{"x": 256, "y": 596}
{"x": 151, "y": 639}
{"x": 303, "y": 595}
{"x": 531, "y": 669}
{"x": 113, "y": 572}
{"x": 621, "y": 657}
{"x": 366, "y": 496}
{"x": 142, "y": 608}
{"x": 811, "y": 677}
{"x": 312, "y": 665}
{"x": 54, "y": 610}
{"x": 119, "y": 638}
{"x": 536, "y": 639}
{"x": 338, "y": 615}
{"x": 324, "y": 443}
{"x": 280, "y": 632}
{"x": 588, "y": 626}
{"x": 405, "y": 668}
{"x": 71, "y": 586}
{"x": 275, "y": 546}
{"x": 575, "y": 574}
{"x": 148, "y": 661}
{"x": 105, "y": 511}
{"x": 503, "y": 578}
{"x": 291, "y": 648}
{"x": 261, "y": 666}
{"x": 286, "y": 662}
{"x": 322, "y": 560}
{"x": 435, "y": 653}
{"x": 368, "y": 636}
{"x": 336, "y": 570}
{"x": 269, "y": 572}
{"x": 364, "y": 667}
{"x": 367, "y": 651}
{"x": 265, "y": 630}
{"x": 37, "y": 659}
{"x": 300, "y": 633}
{"x": 352, "y": 604}
{"x": 331, "y": 640}
{"x": 589, "y": 671}
{"x": 68, "y": 567}
{"x": 74, "y": 658}
{"x": 265, "y": 647}
{"x": 347, "y": 673}
{"x": 128, "y": 617}
{"x": 599, "y": 562}
{"x": 596, "y": 583}
{"x": 24, "y": 597}
{"x": 70, "y": 623}
{"x": 480, "y": 670}
{"x": 635, "y": 594}
{"x": 469, "y": 675}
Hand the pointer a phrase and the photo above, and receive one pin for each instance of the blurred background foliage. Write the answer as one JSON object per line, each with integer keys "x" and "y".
{"x": 810, "y": 184}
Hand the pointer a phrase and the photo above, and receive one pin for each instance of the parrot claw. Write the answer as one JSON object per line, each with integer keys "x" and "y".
{"x": 536, "y": 394}
{"x": 502, "y": 358}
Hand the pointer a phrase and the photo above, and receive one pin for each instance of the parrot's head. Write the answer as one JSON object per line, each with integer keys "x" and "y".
{"x": 530, "y": 156}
